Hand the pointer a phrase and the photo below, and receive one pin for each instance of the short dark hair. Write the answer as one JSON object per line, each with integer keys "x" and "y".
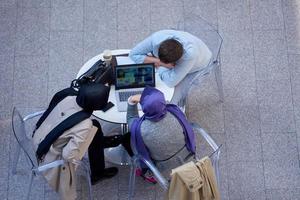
{"x": 170, "y": 51}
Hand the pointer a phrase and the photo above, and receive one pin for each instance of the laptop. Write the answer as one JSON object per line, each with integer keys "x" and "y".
{"x": 130, "y": 80}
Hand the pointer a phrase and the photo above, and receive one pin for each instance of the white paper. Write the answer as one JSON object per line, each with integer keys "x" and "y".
{"x": 124, "y": 60}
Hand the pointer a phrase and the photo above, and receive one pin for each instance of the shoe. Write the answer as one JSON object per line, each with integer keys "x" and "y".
{"x": 107, "y": 173}
{"x": 147, "y": 176}
{"x": 112, "y": 141}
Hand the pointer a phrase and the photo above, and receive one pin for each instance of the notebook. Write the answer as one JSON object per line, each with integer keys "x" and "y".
{"x": 131, "y": 79}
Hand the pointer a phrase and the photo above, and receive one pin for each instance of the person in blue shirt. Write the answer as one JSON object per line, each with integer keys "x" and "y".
{"x": 177, "y": 55}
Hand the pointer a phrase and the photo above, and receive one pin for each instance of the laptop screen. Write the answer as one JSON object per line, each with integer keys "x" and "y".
{"x": 135, "y": 76}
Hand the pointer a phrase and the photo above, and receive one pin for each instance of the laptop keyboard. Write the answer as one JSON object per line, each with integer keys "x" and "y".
{"x": 125, "y": 95}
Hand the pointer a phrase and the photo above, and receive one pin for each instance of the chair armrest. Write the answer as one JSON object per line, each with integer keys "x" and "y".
{"x": 49, "y": 166}
{"x": 205, "y": 135}
{"x": 160, "y": 178}
{"x": 30, "y": 116}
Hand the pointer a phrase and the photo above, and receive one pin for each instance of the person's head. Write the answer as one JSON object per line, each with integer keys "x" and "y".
{"x": 153, "y": 104}
{"x": 170, "y": 51}
{"x": 93, "y": 96}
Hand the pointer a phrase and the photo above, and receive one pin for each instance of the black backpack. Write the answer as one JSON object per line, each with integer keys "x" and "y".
{"x": 68, "y": 123}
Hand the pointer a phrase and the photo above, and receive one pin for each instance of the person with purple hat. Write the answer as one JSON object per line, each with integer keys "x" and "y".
{"x": 161, "y": 132}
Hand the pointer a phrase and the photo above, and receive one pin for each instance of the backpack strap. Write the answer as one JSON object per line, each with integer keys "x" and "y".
{"x": 58, "y": 97}
{"x": 68, "y": 123}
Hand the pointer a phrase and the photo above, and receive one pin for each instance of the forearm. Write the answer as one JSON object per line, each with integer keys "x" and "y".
{"x": 139, "y": 53}
{"x": 132, "y": 113}
{"x": 172, "y": 76}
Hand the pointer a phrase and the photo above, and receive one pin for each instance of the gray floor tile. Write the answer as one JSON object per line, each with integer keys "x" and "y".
{"x": 283, "y": 194}
{"x": 238, "y": 71}
{"x": 6, "y": 77}
{"x": 296, "y": 97}
{"x": 243, "y": 147}
{"x": 207, "y": 10}
{"x": 272, "y": 67}
{"x": 292, "y": 18}
{"x": 68, "y": 17}
{"x": 19, "y": 184}
{"x": 237, "y": 42}
{"x": 30, "y": 85}
{"x": 266, "y": 15}
{"x": 276, "y": 121}
{"x": 145, "y": 194}
{"x": 291, "y": 13}
{"x": 94, "y": 44}
{"x": 8, "y": 3}
{"x": 8, "y": 20}
{"x": 6, "y": 131}
{"x": 209, "y": 113}
{"x": 274, "y": 147}
{"x": 168, "y": 3}
{"x": 99, "y": 21}
{"x": 33, "y": 3}
{"x": 102, "y": 3}
{"x": 64, "y": 4}
{"x": 243, "y": 93}
{"x": 257, "y": 194}
{"x": 33, "y": 31}
{"x": 293, "y": 41}
{"x": 128, "y": 39}
{"x": 133, "y": 15}
{"x": 172, "y": 16}
{"x": 66, "y": 52}
{"x": 3, "y": 194}
{"x": 281, "y": 174}
{"x": 294, "y": 67}
{"x": 295, "y": 72}
{"x": 241, "y": 186}
{"x": 100, "y": 29}
{"x": 275, "y": 93}
{"x": 270, "y": 42}
{"x": 233, "y": 15}
{"x": 242, "y": 119}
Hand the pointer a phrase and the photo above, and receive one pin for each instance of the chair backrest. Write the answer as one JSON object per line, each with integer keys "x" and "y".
{"x": 204, "y": 30}
{"x": 209, "y": 34}
{"x": 19, "y": 130}
{"x": 164, "y": 180}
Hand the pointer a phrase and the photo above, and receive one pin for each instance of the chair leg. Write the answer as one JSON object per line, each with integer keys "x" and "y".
{"x": 15, "y": 159}
{"x": 88, "y": 177}
{"x": 132, "y": 178}
{"x": 218, "y": 76}
{"x": 29, "y": 186}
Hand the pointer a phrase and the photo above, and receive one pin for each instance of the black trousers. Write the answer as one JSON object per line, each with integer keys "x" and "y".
{"x": 96, "y": 149}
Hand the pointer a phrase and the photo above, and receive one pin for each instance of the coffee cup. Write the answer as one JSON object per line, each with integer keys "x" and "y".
{"x": 107, "y": 56}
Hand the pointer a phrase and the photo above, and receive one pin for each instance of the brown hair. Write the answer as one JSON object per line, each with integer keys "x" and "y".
{"x": 170, "y": 51}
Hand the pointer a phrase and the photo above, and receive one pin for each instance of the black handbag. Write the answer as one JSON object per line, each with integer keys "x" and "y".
{"x": 98, "y": 73}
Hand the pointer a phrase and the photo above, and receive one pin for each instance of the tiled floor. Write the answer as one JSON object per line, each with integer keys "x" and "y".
{"x": 43, "y": 44}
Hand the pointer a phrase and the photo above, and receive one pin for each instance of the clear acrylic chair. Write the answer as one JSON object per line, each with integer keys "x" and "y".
{"x": 164, "y": 181}
{"x": 209, "y": 34}
{"x": 25, "y": 143}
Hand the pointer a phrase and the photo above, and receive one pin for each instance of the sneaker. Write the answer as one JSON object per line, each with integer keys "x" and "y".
{"x": 147, "y": 176}
{"x": 107, "y": 173}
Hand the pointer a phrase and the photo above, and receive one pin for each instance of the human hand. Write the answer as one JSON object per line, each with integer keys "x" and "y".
{"x": 135, "y": 98}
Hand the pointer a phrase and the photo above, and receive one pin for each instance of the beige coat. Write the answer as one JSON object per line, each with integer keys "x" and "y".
{"x": 193, "y": 181}
{"x": 70, "y": 146}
